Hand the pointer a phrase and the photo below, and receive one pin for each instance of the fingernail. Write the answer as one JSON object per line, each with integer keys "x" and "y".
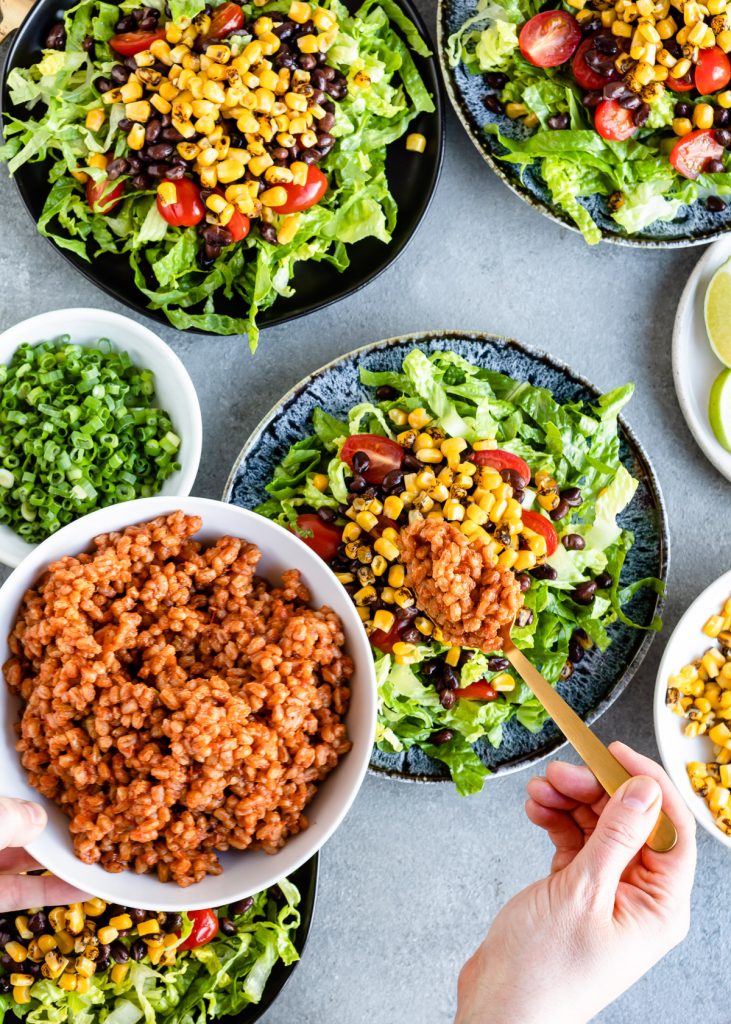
{"x": 640, "y": 793}
{"x": 36, "y": 814}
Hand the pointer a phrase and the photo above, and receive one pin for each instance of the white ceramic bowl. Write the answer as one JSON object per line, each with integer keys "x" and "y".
{"x": 245, "y": 873}
{"x": 688, "y": 642}
{"x": 174, "y": 389}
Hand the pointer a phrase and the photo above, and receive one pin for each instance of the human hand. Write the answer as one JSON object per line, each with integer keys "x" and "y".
{"x": 20, "y": 823}
{"x": 567, "y": 946}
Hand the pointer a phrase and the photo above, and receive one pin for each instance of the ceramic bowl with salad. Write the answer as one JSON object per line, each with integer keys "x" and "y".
{"x": 203, "y": 153}
{"x": 612, "y": 117}
{"x": 107, "y": 962}
{"x": 477, "y": 445}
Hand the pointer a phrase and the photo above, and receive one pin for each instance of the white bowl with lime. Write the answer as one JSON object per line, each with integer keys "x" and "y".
{"x": 702, "y": 354}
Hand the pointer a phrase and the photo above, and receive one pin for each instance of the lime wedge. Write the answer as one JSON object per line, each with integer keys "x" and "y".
{"x": 719, "y": 408}
{"x": 718, "y": 312}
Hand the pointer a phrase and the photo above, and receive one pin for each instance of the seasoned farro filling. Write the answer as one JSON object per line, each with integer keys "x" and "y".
{"x": 174, "y": 704}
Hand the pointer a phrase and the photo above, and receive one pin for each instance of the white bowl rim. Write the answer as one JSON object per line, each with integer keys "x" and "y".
{"x": 193, "y": 444}
{"x": 662, "y": 716}
{"x": 141, "y": 510}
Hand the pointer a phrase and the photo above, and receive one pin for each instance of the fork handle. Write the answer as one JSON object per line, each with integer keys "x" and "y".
{"x": 603, "y": 764}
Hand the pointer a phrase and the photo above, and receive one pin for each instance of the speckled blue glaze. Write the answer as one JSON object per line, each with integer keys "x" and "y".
{"x": 694, "y": 224}
{"x": 600, "y": 678}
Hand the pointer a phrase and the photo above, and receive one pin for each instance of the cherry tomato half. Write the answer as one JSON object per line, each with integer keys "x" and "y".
{"x": 481, "y": 690}
{"x": 130, "y": 43}
{"x": 499, "y": 459}
{"x": 239, "y": 226}
{"x": 188, "y": 209}
{"x": 384, "y": 455}
{"x": 539, "y": 524}
{"x": 205, "y": 928}
{"x": 614, "y": 122}
{"x": 325, "y": 536}
{"x": 302, "y": 197}
{"x": 713, "y": 70}
{"x": 684, "y": 84}
{"x": 226, "y": 19}
{"x": 585, "y": 76}
{"x": 549, "y": 38}
{"x": 101, "y": 198}
{"x": 385, "y": 641}
{"x": 690, "y": 154}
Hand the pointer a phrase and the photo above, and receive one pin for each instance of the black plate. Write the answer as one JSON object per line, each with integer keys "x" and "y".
{"x": 305, "y": 878}
{"x": 412, "y": 178}
{"x": 600, "y": 678}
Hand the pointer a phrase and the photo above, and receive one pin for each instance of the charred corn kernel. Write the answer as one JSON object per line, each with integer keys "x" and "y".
{"x": 486, "y": 503}
{"x": 649, "y": 32}
{"x": 452, "y": 448}
{"x": 323, "y": 19}
{"x": 584, "y": 15}
{"x": 485, "y": 445}
{"x": 119, "y": 972}
{"x": 404, "y": 598}
{"x": 660, "y": 72}
{"x": 453, "y": 510}
{"x": 424, "y": 625}
{"x": 425, "y": 479}
{"x": 723, "y": 39}
{"x": 83, "y": 985}
{"x": 168, "y": 90}
{"x": 167, "y": 193}
{"x": 608, "y": 18}
{"x": 548, "y": 501}
{"x": 21, "y": 926}
{"x": 46, "y": 943}
{"x": 476, "y": 514}
{"x": 226, "y": 214}
{"x": 470, "y": 529}
{"x": 537, "y": 545}
{"x": 697, "y": 34}
{"x": 713, "y": 626}
{"x": 111, "y": 96}
{"x": 682, "y": 126}
{"x": 393, "y": 507}
{"x": 278, "y": 175}
{"x": 149, "y": 927}
{"x": 308, "y": 44}
{"x": 716, "y": 6}
{"x": 525, "y": 560}
{"x": 681, "y": 68}
{"x": 719, "y": 799}
{"x": 81, "y": 176}
{"x": 366, "y": 520}
{"x": 95, "y": 119}
{"x": 416, "y": 142}
{"x": 21, "y": 994}
{"x": 258, "y": 164}
{"x": 396, "y": 576}
{"x": 719, "y": 734}
{"x": 299, "y": 12}
{"x": 214, "y": 92}
{"x": 384, "y": 620}
{"x": 16, "y": 952}
{"x": 498, "y": 511}
{"x": 65, "y": 941}
{"x": 131, "y": 90}
{"x": 351, "y": 531}
{"x": 161, "y": 49}
{"x": 231, "y": 170}
{"x": 452, "y": 656}
{"x": 67, "y": 982}
{"x": 217, "y": 204}
{"x": 98, "y": 160}
{"x": 276, "y": 196}
{"x": 725, "y": 775}
{"x": 364, "y": 596}
{"x": 508, "y": 558}
{"x": 439, "y": 492}
{"x": 208, "y": 177}
{"x": 219, "y": 52}
{"x": 379, "y": 565}
{"x": 388, "y": 549}
{"x": 84, "y": 966}
{"x": 516, "y": 110}
{"x": 319, "y": 480}
{"x": 121, "y": 922}
{"x": 138, "y": 111}
{"x": 345, "y": 577}
{"x": 109, "y": 934}
{"x": 397, "y": 416}
{"x": 270, "y": 43}
{"x": 21, "y": 980}
{"x": 503, "y": 682}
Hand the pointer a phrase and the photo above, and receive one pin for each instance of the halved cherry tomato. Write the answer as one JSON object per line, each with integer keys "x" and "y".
{"x": 614, "y": 122}
{"x": 684, "y": 84}
{"x": 539, "y": 524}
{"x": 385, "y": 641}
{"x": 384, "y": 455}
{"x": 481, "y": 690}
{"x": 713, "y": 70}
{"x": 239, "y": 226}
{"x": 227, "y": 18}
{"x": 325, "y": 536}
{"x": 101, "y": 198}
{"x": 690, "y": 154}
{"x": 188, "y": 209}
{"x": 549, "y": 38}
{"x": 130, "y": 43}
{"x": 302, "y": 197}
{"x": 499, "y": 459}
{"x": 585, "y": 76}
{"x": 205, "y": 928}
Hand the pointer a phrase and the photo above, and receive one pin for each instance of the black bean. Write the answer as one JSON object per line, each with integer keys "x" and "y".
{"x": 723, "y": 137}
{"x": 496, "y": 79}
{"x": 140, "y": 183}
{"x": 104, "y": 950}
{"x": 544, "y": 572}
{"x": 125, "y": 124}
{"x": 560, "y": 511}
{"x": 721, "y": 117}
{"x": 284, "y": 59}
{"x": 682, "y": 109}
{"x": 361, "y": 462}
{"x": 88, "y": 45}
{"x": 268, "y": 232}
{"x": 514, "y": 478}
{"x": 430, "y": 668}
{"x": 119, "y": 74}
{"x": 631, "y": 101}
{"x": 450, "y": 677}
{"x": 7, "y": 962}
{"x": 595, "y": 60}
{"x": 584, "y": 593}
{"x": 559, "y": 122}
{"x": 5, "y": 985}
{"x": 152, "y": 133}
{"x": 385, "y": 393}
{"x": 572, "y": 496}
{"x": 493, "y": 104}
{"x": 166, "y": 120}
{"x": 307, "y": 62}
{"x": 497, "y": 664}
{"x": 138, "y": 915}
{"x": 120, "y": 953}
{"x": 356, "y": 485}
{"x": 160, "y": 151}
{"x": 103, "y": 85}
{"x": 208, "y": 255}
{"x": 147, "y": 24}
{"x": 171, "y": 134}
{"x": 606, "y": 44}
{"x": 241, "y": 906}
{"x": 573, "y": 542}
{"x": 217, "y": 234}
{"x": 715, "y": 204}
{"x": 591, "y": 26}
{"x": 604, "y": 580}
{"x": 285, "y": 30}
{"x": 56, "y": 38}
{"x": 673, "y": 46}
{"x": 442, "y": 736}
{"x": 614, "y": 90}
{"x": 176, "y": 172}
{"x": 338, "y": 89}
{"x": 158, "y": 170}
{"x": 134, "y": 163}
{"x": 519, "y": 494}
{"x": 6, "y": 937}
{"x": 592, "y": 99}
{"x": 410, "y": 635}
{"x": 465, "y": 656}
{"x": 714, "y": 166}
{"x": 641, "y": 114}
{"x": 576, "y": 651}
{"x": 116, "y": 168}
{"x": 280, "y": 155}
{"x": 310, "y": 156}
{"x": 448, "y": 699}
{"x": 126, "y": 24}
{"x": 411, "y": 464}
{"x": 226, "y": 926}
{"x": 137, "y": 950}
{"x": 393, "y": 482}
{"x": 102, "y": 964}
{"x": 38, "y": 922}
{"x": 325, "y": 142}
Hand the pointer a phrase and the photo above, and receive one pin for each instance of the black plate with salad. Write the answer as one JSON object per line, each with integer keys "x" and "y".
{"x": 224, "y": 166}
{"x": 109, "y": 964}
{"x": 537, "y": 464}
{"x": 612, "y": 117}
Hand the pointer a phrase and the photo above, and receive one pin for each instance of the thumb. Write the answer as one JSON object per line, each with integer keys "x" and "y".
{"x": 621, "y": 831}
{"x": 20, "y": 822}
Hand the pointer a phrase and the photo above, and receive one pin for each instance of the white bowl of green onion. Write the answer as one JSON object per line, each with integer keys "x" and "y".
{"x": 95, "y": 409}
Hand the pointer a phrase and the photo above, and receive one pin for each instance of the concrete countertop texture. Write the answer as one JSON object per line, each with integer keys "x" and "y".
{"x": 413, "y": 877}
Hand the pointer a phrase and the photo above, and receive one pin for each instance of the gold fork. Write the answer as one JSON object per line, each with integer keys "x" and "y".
{"x": 608, "y": 771}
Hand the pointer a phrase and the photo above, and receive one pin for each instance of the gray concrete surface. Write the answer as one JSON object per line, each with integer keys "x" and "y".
{"x": 412, "y": 879}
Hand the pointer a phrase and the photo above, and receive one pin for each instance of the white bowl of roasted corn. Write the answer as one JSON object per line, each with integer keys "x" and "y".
{"x": 693, "y": 708}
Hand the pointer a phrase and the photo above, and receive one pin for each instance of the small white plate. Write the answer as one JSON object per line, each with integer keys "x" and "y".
{"x": 688, "y": 642}
{"x": 174, "y": 389}
{"x": 695, "y": 367}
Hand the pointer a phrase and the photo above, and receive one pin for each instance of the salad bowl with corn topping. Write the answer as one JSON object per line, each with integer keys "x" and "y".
{"x": 199, "y": 154}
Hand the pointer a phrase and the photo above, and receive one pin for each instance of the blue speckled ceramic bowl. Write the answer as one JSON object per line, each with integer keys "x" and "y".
{"x": 600, "y": 678}
{"x": 695, "y": 225}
